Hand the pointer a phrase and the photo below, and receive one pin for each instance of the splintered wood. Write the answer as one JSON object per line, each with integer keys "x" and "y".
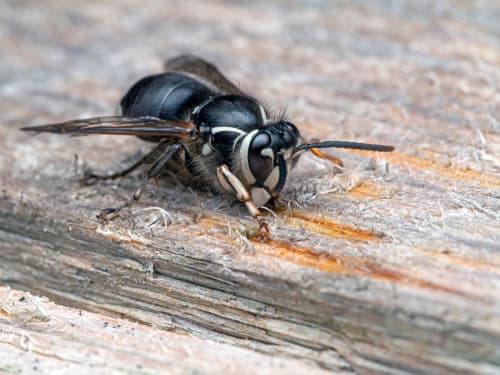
{"x": 41, "y": 337}
{"x": 387, "y": 264}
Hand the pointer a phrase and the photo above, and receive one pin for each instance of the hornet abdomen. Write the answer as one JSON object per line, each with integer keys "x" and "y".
{"x": 168, "y": 96}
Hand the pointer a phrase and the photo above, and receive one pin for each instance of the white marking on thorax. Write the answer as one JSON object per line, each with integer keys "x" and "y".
{"x": 219, "y": 129}
{"x": 198, "y": 108}
{"x": 236, "y": 140}
{"x": 263, "y": 114}
{"x": 206, "y": 149}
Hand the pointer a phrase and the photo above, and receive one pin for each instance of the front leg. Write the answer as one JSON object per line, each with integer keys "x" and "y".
{"x": 228, "y": 180}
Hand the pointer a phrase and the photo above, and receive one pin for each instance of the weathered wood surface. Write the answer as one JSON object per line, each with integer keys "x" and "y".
{"x": 37, "y": 336}
{"x": 391, "y": 265}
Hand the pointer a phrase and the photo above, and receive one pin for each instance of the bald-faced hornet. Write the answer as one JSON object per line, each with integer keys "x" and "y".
{"x": 208, "y": 132}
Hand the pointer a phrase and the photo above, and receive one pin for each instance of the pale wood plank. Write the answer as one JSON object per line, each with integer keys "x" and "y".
{"x": 390, "y": 266}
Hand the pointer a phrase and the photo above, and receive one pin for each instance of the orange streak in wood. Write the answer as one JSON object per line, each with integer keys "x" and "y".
{"x": 454, "y": 172}
{"x": 328, "y": 227}
{"x": 489, "y": 265}
{"x": 344, "y": 264}
{"x": 298, "y": 255}
{"x": 341, "y": 264}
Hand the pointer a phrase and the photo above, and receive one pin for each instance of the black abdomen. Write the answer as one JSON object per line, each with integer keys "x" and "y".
{"x": 167, "y": 96}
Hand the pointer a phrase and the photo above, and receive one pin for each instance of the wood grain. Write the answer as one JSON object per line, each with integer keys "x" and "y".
{"x": 388, "y": 265}
{"x": 37, "y": 336}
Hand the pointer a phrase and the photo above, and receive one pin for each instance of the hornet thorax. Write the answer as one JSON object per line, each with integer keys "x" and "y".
{"x": 257, "y": 150}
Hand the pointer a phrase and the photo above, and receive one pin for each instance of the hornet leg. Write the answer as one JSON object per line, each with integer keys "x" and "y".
{"x": 91, "y": 178}
{"x": 227, "y": 178}
{"x": 158, "y": 165}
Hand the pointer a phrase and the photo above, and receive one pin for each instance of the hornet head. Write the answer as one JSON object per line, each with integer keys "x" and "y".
{"x": 265, "y": 156}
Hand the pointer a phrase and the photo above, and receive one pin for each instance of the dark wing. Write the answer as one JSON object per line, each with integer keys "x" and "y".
{"x": 139, "y": 126}
{"x": 197, "y": 66}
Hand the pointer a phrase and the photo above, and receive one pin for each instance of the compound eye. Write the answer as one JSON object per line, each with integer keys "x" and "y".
{"x": 290, "y": 134}
{"x": 260, "y": 157}
{"x": 260, "y": 141}
{"x": 287, "y": 137}
{"x": 292, "y": 128}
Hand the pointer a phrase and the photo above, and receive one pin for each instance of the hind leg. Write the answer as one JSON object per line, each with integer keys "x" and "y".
{"x": 90, "y": 178}
{"x": 157, "y": 167}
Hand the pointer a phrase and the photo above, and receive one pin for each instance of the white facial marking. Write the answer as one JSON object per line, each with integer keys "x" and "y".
{"x": 260, "y": 196}
{"x": 268, "y": 152}
{"x": 245, "y": 167}
{"x": 287, "y": 153}
{"x": 273, "y": 178}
